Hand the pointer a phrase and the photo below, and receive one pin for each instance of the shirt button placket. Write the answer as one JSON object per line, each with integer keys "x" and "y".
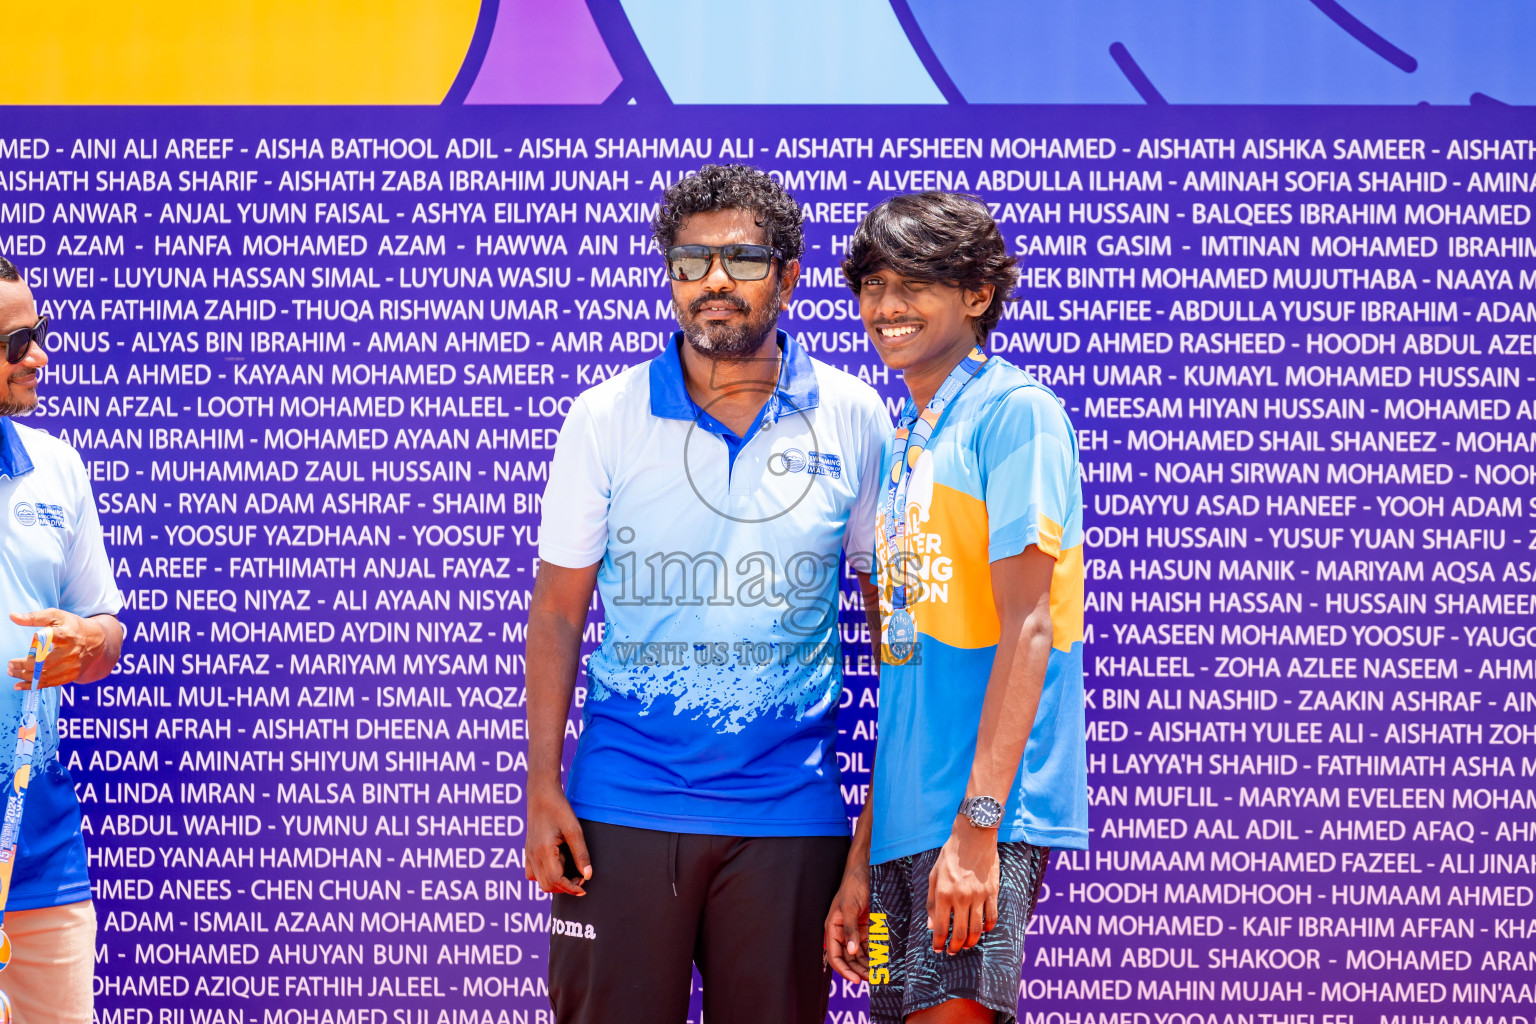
{"x": 749, "y": 470}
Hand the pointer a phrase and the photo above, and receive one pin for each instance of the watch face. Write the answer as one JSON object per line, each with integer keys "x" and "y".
{"x": 984, "y": 811}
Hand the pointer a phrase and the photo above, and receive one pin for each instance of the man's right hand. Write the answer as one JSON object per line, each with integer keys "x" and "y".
{"x": 552, "y": 825}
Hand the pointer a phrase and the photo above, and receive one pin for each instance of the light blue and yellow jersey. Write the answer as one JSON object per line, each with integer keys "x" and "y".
{"x": 1000, "y": 474}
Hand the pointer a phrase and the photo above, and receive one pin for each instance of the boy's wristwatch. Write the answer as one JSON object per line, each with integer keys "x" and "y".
{"x": 982, "y": 811}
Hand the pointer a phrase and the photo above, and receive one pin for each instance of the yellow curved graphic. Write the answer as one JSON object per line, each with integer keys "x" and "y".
{"x": 1067, "y": 599}
{"x": 955, "y": 604}
{"x": 229, "y": 52}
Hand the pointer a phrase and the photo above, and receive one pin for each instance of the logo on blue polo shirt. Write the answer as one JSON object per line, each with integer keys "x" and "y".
{"x": 28, "y": 514}
{"x": 825, "y": 464}
{"x": 815, "y": 463}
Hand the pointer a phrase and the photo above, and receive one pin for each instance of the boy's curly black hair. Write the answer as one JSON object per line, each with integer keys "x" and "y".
{"x": 936, "y": 236}
{"x": 730, "y": 187}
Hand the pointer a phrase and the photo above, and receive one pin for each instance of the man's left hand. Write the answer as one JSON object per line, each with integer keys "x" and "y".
{"x": 845, "y": 934}
{"x": 963, "y": 888}
{"x": 77, "y": 644}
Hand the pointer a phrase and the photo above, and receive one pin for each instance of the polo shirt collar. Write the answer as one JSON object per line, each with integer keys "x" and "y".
{"x": 797, "y": 390}
{"x": 14, "y": 460}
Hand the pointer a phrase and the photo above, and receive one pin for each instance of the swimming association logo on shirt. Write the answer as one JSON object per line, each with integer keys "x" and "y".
{"x": 825, "y": 464}
{"x": 29, "y": 514}
{"x": 793, "y": 460}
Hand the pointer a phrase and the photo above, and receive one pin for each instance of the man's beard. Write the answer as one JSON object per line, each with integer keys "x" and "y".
{"x": 12, "y": 406}
{"x": 715, "y": 339}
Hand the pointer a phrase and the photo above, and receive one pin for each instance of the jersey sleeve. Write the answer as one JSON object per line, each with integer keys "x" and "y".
{"x": 859, "y": 538}
{"x": 88, "y": 585}
{"x": 1029, "y": 463}
{"x": 574, "y": 528}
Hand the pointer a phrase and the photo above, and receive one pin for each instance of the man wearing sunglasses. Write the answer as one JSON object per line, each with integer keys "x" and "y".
{"x": 54, "y": 572}
{"x": 708, "y": 495}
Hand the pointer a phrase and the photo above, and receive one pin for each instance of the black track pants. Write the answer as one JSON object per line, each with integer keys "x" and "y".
{"x": 749, "y": 912}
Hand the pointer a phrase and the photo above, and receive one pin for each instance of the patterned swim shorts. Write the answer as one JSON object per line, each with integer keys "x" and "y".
{"x": 988, "y": 972}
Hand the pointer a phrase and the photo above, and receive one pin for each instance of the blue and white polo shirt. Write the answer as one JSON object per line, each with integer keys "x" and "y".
{"x": 713, "y": 698}
{"x": 51, "y": 556}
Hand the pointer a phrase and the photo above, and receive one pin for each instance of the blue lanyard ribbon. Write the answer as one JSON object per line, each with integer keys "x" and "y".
{"x": 10, "y": 830}
{"x": 913, "y": 434}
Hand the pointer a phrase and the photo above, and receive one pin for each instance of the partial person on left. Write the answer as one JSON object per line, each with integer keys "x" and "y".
{"x": 54, "y": 573}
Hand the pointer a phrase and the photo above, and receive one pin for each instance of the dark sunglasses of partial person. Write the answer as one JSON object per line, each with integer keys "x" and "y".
{"x": 742, "y": 262}
{"x": 18, "y": 343}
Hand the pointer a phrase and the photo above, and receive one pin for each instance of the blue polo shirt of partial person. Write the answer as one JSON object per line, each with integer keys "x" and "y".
{"x": 713, "y": 697}
{"x": 1000, "y": 474}
{"x": 53, "y": 558}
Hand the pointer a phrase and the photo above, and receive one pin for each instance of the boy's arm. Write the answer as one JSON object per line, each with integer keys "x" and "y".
{"x": 556, "y": 617}
{"x": 964, "y": 883}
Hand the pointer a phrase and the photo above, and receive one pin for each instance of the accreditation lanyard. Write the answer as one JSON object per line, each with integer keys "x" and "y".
{"x": 10, "y": 830}
{"x": 913, "y": 436}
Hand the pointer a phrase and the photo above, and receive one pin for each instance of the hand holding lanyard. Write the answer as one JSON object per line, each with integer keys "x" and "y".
{"x": 912, "y": 437}
{"x": 10, "y": 830}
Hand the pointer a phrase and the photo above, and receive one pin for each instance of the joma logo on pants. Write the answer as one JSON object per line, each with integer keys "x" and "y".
{"x": 575, "y": 929}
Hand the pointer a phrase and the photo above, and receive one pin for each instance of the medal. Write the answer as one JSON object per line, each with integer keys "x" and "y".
{"x": 899, "y": 577}
{"x": 900, "y": 634}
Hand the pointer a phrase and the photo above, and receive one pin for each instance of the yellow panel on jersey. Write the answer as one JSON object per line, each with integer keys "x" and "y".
{"x": 954, "y": 605}
{"x": 1050, "y": 536}
{"x": 1067, "y": 599}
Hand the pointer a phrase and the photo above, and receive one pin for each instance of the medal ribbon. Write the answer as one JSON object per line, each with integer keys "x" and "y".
{"x": 10, "y": 830}
{"x": 913, "y": 434}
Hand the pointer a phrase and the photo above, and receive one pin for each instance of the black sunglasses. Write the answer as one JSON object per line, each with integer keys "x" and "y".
{"x": 19, "y": 343}
{"x": 741, "y": 262}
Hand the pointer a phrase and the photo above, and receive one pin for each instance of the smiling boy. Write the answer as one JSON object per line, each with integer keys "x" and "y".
{"x": 980, "y": 766}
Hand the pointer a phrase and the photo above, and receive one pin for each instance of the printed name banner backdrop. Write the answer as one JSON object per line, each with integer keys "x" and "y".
{"x": 316, "y": 358}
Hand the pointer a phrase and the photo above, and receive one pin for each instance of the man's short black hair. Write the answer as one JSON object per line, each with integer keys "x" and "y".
{"x": 8, "y": 271}
{"x": 935, "y": 236}
{"x": 732, "y": 187}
